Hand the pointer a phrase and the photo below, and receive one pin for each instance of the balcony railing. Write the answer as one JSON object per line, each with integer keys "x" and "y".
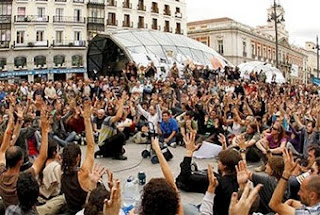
{"x": 156, "y": 27}
{"x": 167, "y": 12}
{"x": 68, "y": 19}
{"x": 41, "y": 0}
{"x": 96, "y": 2}
{"x": 4, "y": 44}
{"x": 31, "y": 44}
{"x": 178, "y": 31}
{"x": 142, "y": 25}
{"x": 167, "y": 29}
{"x": 141, "y": 7}
{"x": 127, "y": 5}
{"x": 60, "y": 0}
{"x": 31, "y": 18}
{"x": 127, "y": 24}
{"x": 95, "y": 20}
{"x": 178, "y": 15}
{"x": 77, "y": 43}
{"x": 5, "y": 19}
{"x": 78, "y": 1}
{"x": 112, "y": 22}
{"x": 154, "y": 10}
{"x": 112, "y": 3}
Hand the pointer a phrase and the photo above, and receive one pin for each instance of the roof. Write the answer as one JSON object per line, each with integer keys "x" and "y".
{"x": 208, "y": 21}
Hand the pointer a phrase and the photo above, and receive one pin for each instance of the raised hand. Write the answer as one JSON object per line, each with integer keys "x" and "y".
{"x": 113, "y": 205}
{"x": 97, "y": 172}
{"x": 155, "y": 144}
{"x": 87, "y": 110}
{"x": 19, "y": 112}
{"x": 289, "y": 164}
{"x": 213, "y": 181}
{"x": 241, "y": 142}
{"x": 244, "y": 204}
{"x": 222, "y": 139}
{"x": 189, "y": 140}
{"x": 110, "y": 179}
{"x": 242, "y": 173}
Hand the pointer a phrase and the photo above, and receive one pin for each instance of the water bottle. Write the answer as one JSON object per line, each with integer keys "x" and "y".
{"x": 130, "y": 192}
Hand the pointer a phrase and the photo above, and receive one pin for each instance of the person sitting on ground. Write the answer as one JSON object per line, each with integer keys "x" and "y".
{"x": 111, "y": 140}
{"x": 309, "y": 192}
{"x": 27, "y": 192}
{"x": 12, "y": 157}
{"x": 168, "y": 129}
{"x": 274, "y": 143}
{"x": 77, "y": 182}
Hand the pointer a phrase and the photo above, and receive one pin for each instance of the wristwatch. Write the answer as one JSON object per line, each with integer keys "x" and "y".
{"x": 242, "y": 151}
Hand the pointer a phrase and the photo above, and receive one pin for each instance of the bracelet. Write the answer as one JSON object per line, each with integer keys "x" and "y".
{"x": 242, "y": 151}
{"x": 284, "y": 178}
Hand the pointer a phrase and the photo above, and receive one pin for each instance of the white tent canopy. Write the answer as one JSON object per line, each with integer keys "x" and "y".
{"x": 261, "y": 67}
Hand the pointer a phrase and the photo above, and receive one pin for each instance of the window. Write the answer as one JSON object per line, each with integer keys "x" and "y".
{"x": 244, "y": 48}
{"x": 41, "y": 11}
{"x": 178, "y": 28}
{"x": 111, "y": 19}
{"x": 77, "y": 35}
{"x": 259, "y": 51}
{"x": 253, "y": 49}
{"x": 141, "y": 22}
{"x": 154, "y": 7}
{"x": 39, "y": 36}
{"x": 40, "y": 61}
{"x": 77, "y": 61}
{"x": 20, "y": 37}
{"x": 77, "y": 15}
{"x": 220, "y": 46}
{"x": 264, "y": 52}
{"x": 21, "y": 11}
{"x": 59, "y": 60}
{"x": 154, "y": 24}
{"x": 20, "y": 62}
{"x": 5, "y": 8}
{"x": 59, "y": 36}
{"x": 126, "y": 22}
{"x": 166, "y": 26}
{"x": 3, "y": 62}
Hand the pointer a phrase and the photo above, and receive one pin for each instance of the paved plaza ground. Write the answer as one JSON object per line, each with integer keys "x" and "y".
{"x": 133, "y": 152}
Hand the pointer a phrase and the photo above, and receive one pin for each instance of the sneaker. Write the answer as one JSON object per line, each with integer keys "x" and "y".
{"x": 261, "y": 168}
{"x": 120, "y": 157}
{"x": 173, "y": 145}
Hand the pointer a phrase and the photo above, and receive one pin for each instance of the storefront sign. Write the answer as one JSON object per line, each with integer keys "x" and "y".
{"x": 43, "y": 71}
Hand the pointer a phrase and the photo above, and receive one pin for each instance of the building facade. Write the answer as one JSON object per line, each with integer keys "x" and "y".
{"x": 240, "y": 43}
{"x": 48, "y": 39}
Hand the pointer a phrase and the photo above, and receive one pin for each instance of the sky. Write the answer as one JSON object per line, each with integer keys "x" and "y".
{"x": 302, "y": 17}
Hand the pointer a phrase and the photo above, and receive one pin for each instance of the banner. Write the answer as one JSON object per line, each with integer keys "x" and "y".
{"x": 42, "y": 71}
{"x": 294, "y": 70}
{"x": 316, "y": 81}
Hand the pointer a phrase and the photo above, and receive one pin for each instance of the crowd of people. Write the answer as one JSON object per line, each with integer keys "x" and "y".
{"x": 43, "y": 125}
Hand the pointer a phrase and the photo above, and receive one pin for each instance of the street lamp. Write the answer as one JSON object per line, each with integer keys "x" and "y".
{"x": 318, "y": 48}
{"x": 277, "y": 19}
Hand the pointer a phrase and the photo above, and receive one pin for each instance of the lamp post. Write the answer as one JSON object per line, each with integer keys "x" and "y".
{"x": 317, "y": 47}
{"x": 276, "y": 18}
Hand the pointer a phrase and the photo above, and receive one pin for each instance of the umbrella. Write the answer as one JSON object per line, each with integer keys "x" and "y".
{"x": 216, "y": 63}
{"x": 261, "y": 67}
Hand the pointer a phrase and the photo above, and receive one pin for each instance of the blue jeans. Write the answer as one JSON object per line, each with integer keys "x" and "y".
{"x": 71, "y": 137}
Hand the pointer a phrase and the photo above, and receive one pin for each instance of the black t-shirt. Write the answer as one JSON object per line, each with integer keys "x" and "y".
{"x": 227, "y": 185}
{"x": 98, "y": 121}
{"x": 151, "y": 71}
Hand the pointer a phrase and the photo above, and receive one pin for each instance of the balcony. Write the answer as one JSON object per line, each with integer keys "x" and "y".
{"x": 156, "y": 27}
{"x": 95, "y": 20}
{"x": 4, "y": 44}
{"x": 76, "y": 43}
{"x": 112, "y": 3}
{"x": 5, "y": 19}
{"x": 31, "y": 18}
{"x": 154, "y": 10}
{"x": 68, "y": 19}
{"x": 78, "y": 1}
{"x": 31, "y": 44}
{"x": 127, "y": 5}
{"x": 95, "y": 24}
{"x": 167, "y": 12}
{"x": 127, "y": 24}
{"x": 141, "y": 7}
{"x": 178, "y": 15}
{"x": 178, "y": 31}
{"x": 96, "y": 3}
{"x": 142, "y": 25}
{"x": 60, "y": 0}
{"x": 167, "y": 29}
{"x": 112, "y": 22}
